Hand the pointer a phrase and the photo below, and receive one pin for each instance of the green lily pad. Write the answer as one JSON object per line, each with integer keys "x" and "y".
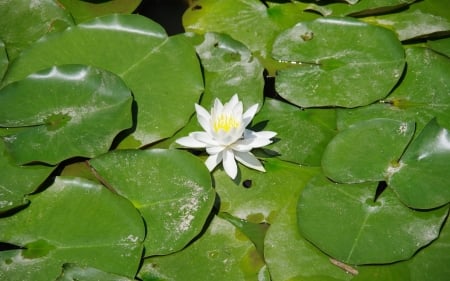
{"x": 441, "y": 46}
{"x": 258, "y": 197}
{"x": 75, "y": 221}
{"x": 42, "y": 17}
{"x": 432, "y": 262}
{"x": 59, "y": 110}
{"x": 365, "y": 8}
{"x": 364, "y": 231}
{"x": 421, "y": 179}
{"x": 229, "y": 67}
{"x": 162, "y": 72}
{"x": 171, "y": 188}
{"x": 302, "y": 135}
{"x": 18, "y": 181}
{"x": 85, "y": 10}
{"x": 221, "y": 253}
{"x": 289, "y": 256}
{"x": 337, "y": 62}
{"x": 72, "y": 272}
{"x": 427, "y": 19}
{"x": 422, "y": 95}
{"x": 248, "y": 21}
{"x": 367, "y": 151}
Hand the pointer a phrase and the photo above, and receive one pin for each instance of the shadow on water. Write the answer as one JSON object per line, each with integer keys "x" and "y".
{"x": 167, "y": 13}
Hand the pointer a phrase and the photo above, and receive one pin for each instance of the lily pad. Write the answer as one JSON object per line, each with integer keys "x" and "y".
{"x": 86, "y": 10}
{"x": 42, "y": 17}
{"x": 73, "y": 272}
{"x": 222, "y": 253}
{"x": 74, "y": 221}
{"x": 249, "y": 21}
{"x": 367, "y": 151}
{"x": 441, "y": 46}
{"x": 289, "y": 256}
{"x": 229, "y": 68}
{"x": 171, "y": 188}
{"x": 258, "y": 197}
{"x": 18, "y": 181}
{"x": 366, "y": 8}
{"x": 424, "y": 19}
{"x": 59, "y": 110}
{"x": 162, "y": 72}
{"x": 337, "y": 62}
{"x": 302, "y": 134}
{"x": 364, "y": 231}
{"x": 421, "y": 180}
{"x": 418, "y": 98}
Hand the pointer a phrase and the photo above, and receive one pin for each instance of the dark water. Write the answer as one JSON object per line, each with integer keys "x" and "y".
{"x": 167, "y": 13}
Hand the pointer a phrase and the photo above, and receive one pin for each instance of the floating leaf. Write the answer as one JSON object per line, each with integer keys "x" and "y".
{"x": 42, "y": 17}
{"x": 3, "y": 60}
{"x": 229, "y": 68}
{"x": 221, "y": 253}
{"x": 366, "y": 151}
{"x": 441, "y": 46}
{"x": 289, "y": 256}
{"x": 421, "y": 179}
{"x": 59, "y": 110}
{"x": 302, "y": 135}
{"x": 171, "y": 189}
{"x": 85, "y": 10}
{"x": 422, "y": 19}
{"x": 248, "y": 21}
{"x": 258, "y": 197}
{"x": 72, "y": 272}
{"x": 418, "y": 98}
{"x": 365, "y": 8}
{"x": 75, "y": 221}
{"x": 143, "y": 56}
{"x": 337, "y": 62}
{"x": 18, "y": 181}
{"x": 344, "y": 221}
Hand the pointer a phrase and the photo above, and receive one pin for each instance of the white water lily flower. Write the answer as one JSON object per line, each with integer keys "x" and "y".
{"x": 226, "y": 138}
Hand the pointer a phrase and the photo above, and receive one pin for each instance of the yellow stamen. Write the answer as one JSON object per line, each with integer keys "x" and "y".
{"x": 225, "y": 122}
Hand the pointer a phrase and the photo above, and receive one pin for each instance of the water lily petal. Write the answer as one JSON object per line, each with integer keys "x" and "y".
{"x": 214, "y": 149}
{"x": 213, "y": 161}
{"x": 205, "y": 138}
{"x": 249, "y": 160}
{"x": 262, "y": 134}
{"x": 190, "y": 142}
{"x": 203, "y": 117}
{"x": 249, "y": 114}
{"x": 229, "y": 164}
{"x": 217, "y": 108}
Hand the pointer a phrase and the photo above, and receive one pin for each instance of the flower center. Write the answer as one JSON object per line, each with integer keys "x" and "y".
{"x": 225, "y": 122}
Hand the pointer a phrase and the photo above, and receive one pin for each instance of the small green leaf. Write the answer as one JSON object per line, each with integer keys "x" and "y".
{"x": 59, "y": 110}
{"x": 171, "y": 188}
{"x": 222, "y": 253}
{"x": 42, "y": 17}
{"x": 421, "y": 180}
{"x": 344, "y": 221}
{"x": 229, "y": 68}
{"x": 337, "y": 62}
{"x": 74, "y": 220}
{"x": 366, "y": 151}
